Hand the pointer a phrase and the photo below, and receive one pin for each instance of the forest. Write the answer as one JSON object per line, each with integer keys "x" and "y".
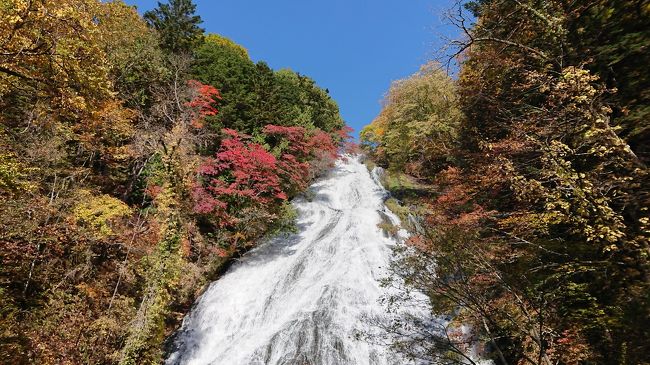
{"x": 138, "y": 157}
{"x": 525, "y": 183}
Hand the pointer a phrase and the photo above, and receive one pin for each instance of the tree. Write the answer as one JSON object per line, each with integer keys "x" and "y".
{"x": 419, "y": 122}
{"x": 536, "y": 234}
{"x": 51, "y": 51}
{"x": 312, "y": 105}
{"x": 254, "y": 95}
{"x": 225, "y": 65}
{"x": 619, "y": 32}
{"x": 302, "y": 154}
{"x": 132, "y": 49}
{"x": 102, "y": 132}
{"x": 177, "y": 24}
{"x": 241, "y": 174}
{"x": 203, "y": 103}
{"x": 245, "y": 173}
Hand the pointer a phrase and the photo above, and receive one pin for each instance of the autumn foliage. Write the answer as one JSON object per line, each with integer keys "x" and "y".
{"x": 530, "y": 212}
{"x": 203, "y": 103}
{"x": 240, "y": 173}
{"x": 244, "y": 173}
{"x": 121, "y": 192}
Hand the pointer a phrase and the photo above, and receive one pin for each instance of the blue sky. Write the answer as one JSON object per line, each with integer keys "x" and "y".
{"x": 355, "y": 48}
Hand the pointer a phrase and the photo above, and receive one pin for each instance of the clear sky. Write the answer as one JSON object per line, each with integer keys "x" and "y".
{"x": 354, "y": 48}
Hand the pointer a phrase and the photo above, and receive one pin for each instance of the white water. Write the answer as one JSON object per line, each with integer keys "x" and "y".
{"x": 299, "y": 299}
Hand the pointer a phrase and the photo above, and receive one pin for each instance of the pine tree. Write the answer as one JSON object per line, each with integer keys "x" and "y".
{"x": 177, "y": 24}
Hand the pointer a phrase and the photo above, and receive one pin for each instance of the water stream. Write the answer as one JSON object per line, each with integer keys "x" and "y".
{"x": 300, "y": 299}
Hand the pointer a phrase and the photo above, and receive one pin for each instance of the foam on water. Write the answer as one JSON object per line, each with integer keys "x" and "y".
{"x": 299, "y": 299}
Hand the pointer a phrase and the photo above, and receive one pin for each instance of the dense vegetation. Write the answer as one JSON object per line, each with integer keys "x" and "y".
{"x": 137, "y": 156}
{"x": 528, "y": 196}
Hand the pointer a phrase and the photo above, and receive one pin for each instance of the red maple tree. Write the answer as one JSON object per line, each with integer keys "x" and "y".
{"x": 203, "y": 103}
{"x": 240, "y": 173}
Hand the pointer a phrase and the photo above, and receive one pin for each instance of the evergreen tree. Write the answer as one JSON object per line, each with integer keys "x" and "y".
{"x": 177, "y": 24}
{"x": 225, "y": 65}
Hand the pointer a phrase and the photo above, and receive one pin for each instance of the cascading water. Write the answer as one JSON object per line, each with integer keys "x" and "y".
{"x": 300, "y": 299}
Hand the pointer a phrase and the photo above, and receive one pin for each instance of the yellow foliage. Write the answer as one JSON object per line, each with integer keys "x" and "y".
{"x": 54, "y": 44}
{"x": 419, "y": 121}
{"x": 13, "y": 176}
{"x": 572, "y": 198}
{"x": 110, "y": 124}
{"x": 131, "y": 47}
{"x": 225, "y": 42}
{"x": 96, "y": 212}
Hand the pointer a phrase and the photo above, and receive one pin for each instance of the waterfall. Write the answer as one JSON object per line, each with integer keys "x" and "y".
{"x": 300, "y": 299}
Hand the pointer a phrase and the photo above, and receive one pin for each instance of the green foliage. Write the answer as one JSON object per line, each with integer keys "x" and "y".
{"x": 401, "y": 211}
{"x": 225, "y": 43}
{"x": 132, "y": 49}
{"x": 177, "y": 24}
{"x": 388, "y": 228}
{"x": 417, "y": 128}
{"x": 403, "y": 186}
{"x": 254, "y": 95}
{"x": 222, "y": 64}
{"x": 161, "y": 274}
{"x": 102, "y": 131}
{"x": 286, "y": 221}
{"x": 538, "y": 227}
{"x": 308, "y": 105}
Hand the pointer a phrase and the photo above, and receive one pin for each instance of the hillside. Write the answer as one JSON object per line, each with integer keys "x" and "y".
{"x": 138, "y": 156}
{"x": 531, "y": 222}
